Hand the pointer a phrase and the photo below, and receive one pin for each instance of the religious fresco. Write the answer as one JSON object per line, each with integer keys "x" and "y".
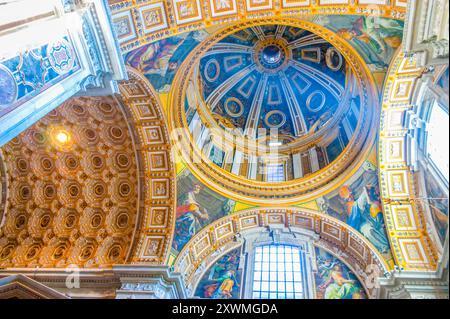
{"x": 357, "y": 203}
{"x": 334, "y": 280}
{"x": 223, "y": 279}
{"x": 197, "y": 206}
{"x": 33, "y": 71}
{"x": 375, "y": 38}
{"x": 159, "y": 61}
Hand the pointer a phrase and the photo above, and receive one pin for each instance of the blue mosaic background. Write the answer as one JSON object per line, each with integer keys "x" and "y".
{"x": 32, "y": 72}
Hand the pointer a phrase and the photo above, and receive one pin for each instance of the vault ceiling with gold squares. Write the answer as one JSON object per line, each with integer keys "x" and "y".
{"x": 73, "y": 189}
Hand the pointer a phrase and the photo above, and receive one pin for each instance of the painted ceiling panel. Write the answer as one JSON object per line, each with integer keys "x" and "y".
{"x": 141, "y": 22}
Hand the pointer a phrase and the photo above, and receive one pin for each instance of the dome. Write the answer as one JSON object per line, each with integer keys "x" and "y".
{"x": 273, "y": 77}
{"x": 272, "y": 110}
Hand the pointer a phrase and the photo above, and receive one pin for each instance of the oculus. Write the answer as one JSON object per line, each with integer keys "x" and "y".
{"x": 271, "y": 54}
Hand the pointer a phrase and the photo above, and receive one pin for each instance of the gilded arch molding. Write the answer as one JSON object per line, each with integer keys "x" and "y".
{"x": 333, "y": 235}
{"x": 141, "y": 22}
{"x": 411, "y": 246}
{"x": 155, "y": 229}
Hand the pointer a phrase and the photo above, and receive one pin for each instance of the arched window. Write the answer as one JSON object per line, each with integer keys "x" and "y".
{"x": 278, "y": 263}
{"x": 438, "y": 139}
{"x": 275, "y": 173}
{"x": 279, "y": 272}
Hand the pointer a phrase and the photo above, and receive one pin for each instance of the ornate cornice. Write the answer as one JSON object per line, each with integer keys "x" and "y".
{"x": 415, "y": 284}
{"x": 22, "y": 287}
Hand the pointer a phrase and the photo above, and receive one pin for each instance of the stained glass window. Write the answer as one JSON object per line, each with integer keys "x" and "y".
{"x": 279, "y": 272}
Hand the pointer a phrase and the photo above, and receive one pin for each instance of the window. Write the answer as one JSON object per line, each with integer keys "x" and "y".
{"x": 217, "y": 156}
{"x": 16, "y": 12}
{"x": 278, "y": 272}
{"x": 275, "y": 173}
{"x": 438, "y": 139}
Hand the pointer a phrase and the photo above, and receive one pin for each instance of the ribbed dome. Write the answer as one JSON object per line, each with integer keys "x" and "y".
{"x": 273, "y": 77}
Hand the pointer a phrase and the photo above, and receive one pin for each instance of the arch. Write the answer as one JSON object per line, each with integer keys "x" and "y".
{"x": 153, "y": 23}
{"x": 411, "y": 244}
{"x": 153, "y": 235}
{"x": 120, "y": 210}
{"x": 327, "y": 232}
